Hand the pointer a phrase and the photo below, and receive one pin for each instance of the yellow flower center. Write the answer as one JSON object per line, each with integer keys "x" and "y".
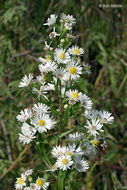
{"x": 42, "y": 122}
{"x": 43, "y": 78}
{"x": 95, "y": 143}
{"x": 40, "y": 182}
{"x": 68, "y": 153}
{"x": 84, "y": 148}
{"x": 72, "y": 70}
{"x": 62, "y": 55}
{"x": 64, "y": 161}
{"x": 76, "y": 51}
{"x": 75, "y": 95}
{"x": 48, "y": 58}
{"x": 20, "y": 181}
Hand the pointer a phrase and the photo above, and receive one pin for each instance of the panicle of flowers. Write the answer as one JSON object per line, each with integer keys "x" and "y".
{"x": 69, "y": 157}
{"x": 96, "y": 119}
{"x": 68, "y": 21}
{"x": 59, "y": 70}
{"x": 27, "y": 182}
{"x": 37, "y": 121}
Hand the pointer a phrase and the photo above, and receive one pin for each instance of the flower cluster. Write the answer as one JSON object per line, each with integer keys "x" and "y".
{"x": 35, "y": 120}
{"x": 96, "y": 120}
{"x": 59, "y": 71}
{"x": 26, "y": 182}
{"x": 69, "y": 156}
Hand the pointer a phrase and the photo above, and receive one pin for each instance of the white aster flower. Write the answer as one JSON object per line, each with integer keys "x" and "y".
{"x": 57, "y": 151}
{"x": 80, "y": 164}
{"x": 40, "y": 92}
{"x": 53, "y": 168}
{"x": 24, "y": 115}
{"x": 51, "y": 20}
{"x": 26, "y": 137}
{"x": 68, "y": 26}
{"x": 92, "y": 113}
{"x": 89, "y": 150}
{"x": 61, "y": 74}
{"x": 92, "y": 153}
{"x": 94, "y": 127}
{"x": 33, "y": 186}
{"x": 86, "y": 101}
{"x": 27, "y": 188}
{"x": 28, "y": 172}
{"x": 43, "y": 122}
{"x": 41, "y": 184}
{"x": 45, "y": 60}
{"x": 75, "y": 50}
{"x": 75, "y": 136}
{"x": 48, "y": 67}
{"x": 40, "y": 108}
{"x": 61, "y": 56}
{"x": 21, "y": 182}
{"x": 69, "y": 150}
{"x": 49, "y": 87}
{"x": 41, "y": 78}
{"x": 86, "y": 148}
{"x": 73, "y": 70}
{"x": 53, "y": 34}
{"x": 76, "y": 150}
{"x": 48, "y": 47}
{"x": 87, "y": 69}
{"x": 26, "y": 81}
{"x": 27, "y": 128}
{"x": 106, "y": 117}
{"x": 73, "y": 96}
{"x": 64, "y": 162}
{"x": 67, "y": 18}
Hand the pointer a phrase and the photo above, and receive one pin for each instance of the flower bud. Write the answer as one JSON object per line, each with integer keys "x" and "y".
{"x": 30, "y": 179}
{"x": 62, "y": 40}
{"x": 66, "y": 106}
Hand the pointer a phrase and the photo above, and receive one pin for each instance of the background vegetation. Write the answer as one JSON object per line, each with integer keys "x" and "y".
{"x": 103, "y": 33}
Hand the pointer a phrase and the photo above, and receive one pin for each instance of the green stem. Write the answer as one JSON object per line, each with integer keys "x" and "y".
{"x": 87, "y": 138}
{"x": 44, "y": 157}
{"x": 61, "y": 110}
{"x": 61, "y": 181}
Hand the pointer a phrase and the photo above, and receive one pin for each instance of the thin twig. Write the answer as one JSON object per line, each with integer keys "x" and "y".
{"x": 16, "y": 161}
{"x": 20, "y": 54}
{"x": 32, "y": 57}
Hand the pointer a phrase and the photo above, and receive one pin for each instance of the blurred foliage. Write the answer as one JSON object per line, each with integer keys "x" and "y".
{"x": 103, "y": 33}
